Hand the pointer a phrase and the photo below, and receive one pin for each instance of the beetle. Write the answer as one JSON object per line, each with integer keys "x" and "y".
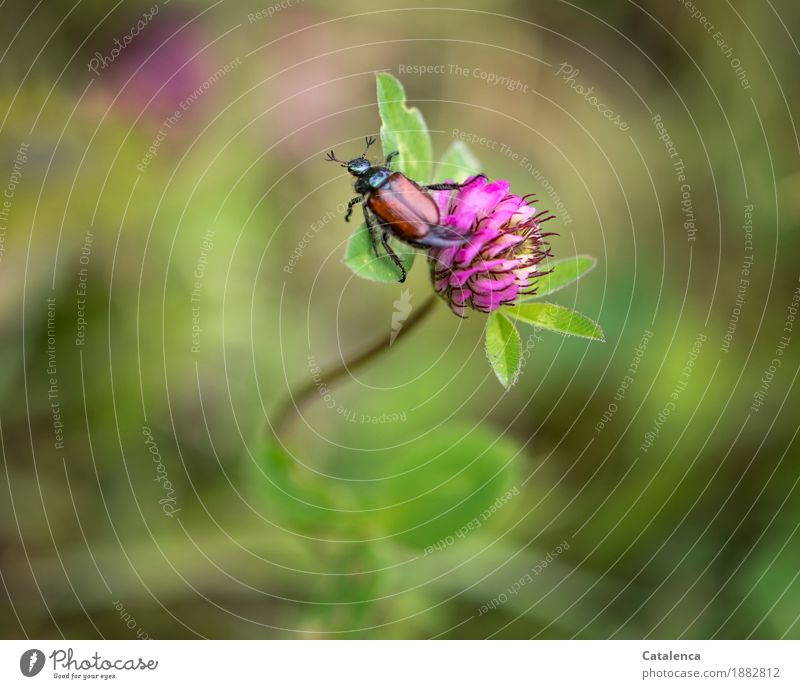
{"x": 395, "y": 205}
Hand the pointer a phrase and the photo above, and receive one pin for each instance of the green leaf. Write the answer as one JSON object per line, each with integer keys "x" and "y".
{"x": 503, "y": 348}
{"x": 360, "y": 257}
{"x": 288, "y": 491}
{"x": 429, "y": 487}
{"x": 426, "y": 487}
{"x": 403, "y": 129}
{"x": 556, "y": 318}
{"x": 565, "y": 272}
{"x": 457, "y": 164}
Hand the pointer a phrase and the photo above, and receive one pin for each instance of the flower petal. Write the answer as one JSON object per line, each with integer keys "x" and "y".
{"x": 476, "y": 201}
{"x": 501, "y": 257}
{"x": 489, "y": 284}
{"x": 503, "y": 243}
{"x": 477, "y": 242}
{"x": 494, "y": 300}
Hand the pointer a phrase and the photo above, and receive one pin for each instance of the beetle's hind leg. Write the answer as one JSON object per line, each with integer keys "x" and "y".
{"x": 350, "y": 204}
{"x": 374, "y": 230}
{"x": 390, "y": 252}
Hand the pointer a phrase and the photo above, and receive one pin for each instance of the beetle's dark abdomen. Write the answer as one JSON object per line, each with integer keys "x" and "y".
{"x": 405, "y": 206}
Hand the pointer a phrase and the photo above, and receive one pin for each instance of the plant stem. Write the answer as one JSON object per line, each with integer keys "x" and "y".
{"x": 296, "y": 400}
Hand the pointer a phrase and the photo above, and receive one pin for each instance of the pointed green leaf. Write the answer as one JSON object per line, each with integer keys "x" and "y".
{"x": 403, "y": 129}
{"x": 503, "y": 348}
{"x": 556, "y": 318}
{"x": 457, "y": 164}
{"x": 565, "y": 272}
{"x": 361, "y": 259}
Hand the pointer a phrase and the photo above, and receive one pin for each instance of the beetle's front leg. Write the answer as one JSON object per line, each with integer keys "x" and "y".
{"x": 393, "y": 154}
{"x": 351, "y": 203}
{"x": 444, "y": 186}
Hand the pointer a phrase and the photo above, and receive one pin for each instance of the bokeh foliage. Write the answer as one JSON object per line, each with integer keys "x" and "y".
{"x": 344, "y": 528}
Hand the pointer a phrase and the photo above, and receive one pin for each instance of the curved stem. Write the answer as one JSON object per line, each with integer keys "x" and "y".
{"x": 296, "y": 400}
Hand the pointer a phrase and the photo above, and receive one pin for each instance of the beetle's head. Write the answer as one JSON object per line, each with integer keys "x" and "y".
{"x": 356, "y": 166}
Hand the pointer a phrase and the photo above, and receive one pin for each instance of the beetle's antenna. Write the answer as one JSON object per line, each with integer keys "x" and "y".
{"x": 370, "y": 141}
{"x": 330, "y": 157}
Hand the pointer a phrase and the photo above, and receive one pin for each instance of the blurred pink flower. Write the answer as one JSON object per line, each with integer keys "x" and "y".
{"x": 500, "y": 260}
{"x": 163, "y": 70}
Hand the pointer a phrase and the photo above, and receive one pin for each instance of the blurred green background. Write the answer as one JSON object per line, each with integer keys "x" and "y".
{"x": 171, "y": 267}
